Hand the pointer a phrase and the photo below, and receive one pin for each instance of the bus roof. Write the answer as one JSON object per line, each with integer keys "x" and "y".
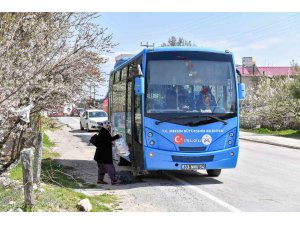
{"x": 186, "y": 48}
{"x": 169, "y": 49}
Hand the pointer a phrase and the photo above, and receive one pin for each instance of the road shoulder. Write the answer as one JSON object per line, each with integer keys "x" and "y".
{"x": 271, "y": 140}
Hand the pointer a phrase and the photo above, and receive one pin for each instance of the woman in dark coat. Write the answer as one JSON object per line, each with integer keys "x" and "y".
{"x": 103, "y": 154}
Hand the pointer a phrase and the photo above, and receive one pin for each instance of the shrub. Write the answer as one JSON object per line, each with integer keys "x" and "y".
{"x": 271, "y": 105}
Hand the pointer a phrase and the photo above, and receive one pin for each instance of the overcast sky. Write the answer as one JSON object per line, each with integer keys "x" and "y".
{"x": 271, "y": 38}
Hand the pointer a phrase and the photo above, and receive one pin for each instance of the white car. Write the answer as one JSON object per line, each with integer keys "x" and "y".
{"x": 91, "y": 118}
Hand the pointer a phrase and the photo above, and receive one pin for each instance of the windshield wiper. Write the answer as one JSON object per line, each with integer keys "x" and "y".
{"x": 212, "y": 117}
{"x": 186, "y": 117}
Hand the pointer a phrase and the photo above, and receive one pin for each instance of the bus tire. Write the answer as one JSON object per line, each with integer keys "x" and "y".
{"x": 214, "y": 173}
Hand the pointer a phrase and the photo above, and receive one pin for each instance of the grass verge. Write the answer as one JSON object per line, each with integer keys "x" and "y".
{"x": 50, "y": 124}
{"x": 47, "y": 142}
{"x": 283, "y": 133}
{"x": 57, "y": 194}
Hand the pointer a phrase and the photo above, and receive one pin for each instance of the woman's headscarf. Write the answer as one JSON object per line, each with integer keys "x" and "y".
{"x": 105, "y": 124}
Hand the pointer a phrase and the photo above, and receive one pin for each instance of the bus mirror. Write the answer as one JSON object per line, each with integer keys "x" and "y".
{"x": 242, "y": 93}
{"x": 139, "y": 86}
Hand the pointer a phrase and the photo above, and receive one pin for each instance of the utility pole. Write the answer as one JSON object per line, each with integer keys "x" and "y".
{"x": 92, "y": 86}
{"x": 147, "y": 45}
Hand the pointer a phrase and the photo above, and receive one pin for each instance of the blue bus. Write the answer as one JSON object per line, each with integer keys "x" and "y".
{"x": 178, "y": 108}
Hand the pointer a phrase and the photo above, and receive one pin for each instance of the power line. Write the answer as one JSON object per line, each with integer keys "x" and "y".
{"x": 261, "y": 37}
{"x": 212, "y": 22}
{"x": 179, "y": 26}
{"x": 190, "y": 25}
{"x": 264, "y": 28}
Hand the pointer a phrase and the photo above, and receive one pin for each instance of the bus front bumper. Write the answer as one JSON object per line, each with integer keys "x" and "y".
{"x": 156, "y": 159}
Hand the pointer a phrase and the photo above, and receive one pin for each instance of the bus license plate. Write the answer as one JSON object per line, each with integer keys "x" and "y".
{"x": 193, "y": 166}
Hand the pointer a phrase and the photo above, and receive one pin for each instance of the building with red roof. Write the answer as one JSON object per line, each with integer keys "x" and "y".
{"x": 276, "y": 71}
{"x": 251, "y": 72}
{"x": 270, "y": 71}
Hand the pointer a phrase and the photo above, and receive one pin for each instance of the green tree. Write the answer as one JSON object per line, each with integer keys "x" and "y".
{"x": 180, "y": 41}
{"x": 295, "y": 85}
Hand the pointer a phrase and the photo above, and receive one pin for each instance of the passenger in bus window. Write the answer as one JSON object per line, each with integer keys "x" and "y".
{"x": 182, "y": 97}
{"x": 191, "y": 98}
{"x": 206, "y": 102}
{"x": 171, "y": 98}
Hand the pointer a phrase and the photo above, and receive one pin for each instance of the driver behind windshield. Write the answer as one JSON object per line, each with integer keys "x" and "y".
{"x": 206, "y": 100}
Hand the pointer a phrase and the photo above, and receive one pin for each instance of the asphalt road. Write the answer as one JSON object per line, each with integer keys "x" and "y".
{"x": 267, "y": 178}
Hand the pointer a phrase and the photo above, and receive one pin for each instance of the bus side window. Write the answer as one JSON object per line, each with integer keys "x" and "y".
{"x": 117, "y": 77}
{"x": 124, "y": 72}
{"x": 132, "y": 69}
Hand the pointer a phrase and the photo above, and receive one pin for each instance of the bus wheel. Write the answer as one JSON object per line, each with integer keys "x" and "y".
{"x": 139, "y": 174}
{"x": 213, "y": 173}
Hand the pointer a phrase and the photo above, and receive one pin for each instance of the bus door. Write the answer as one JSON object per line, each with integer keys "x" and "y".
{"x": 128, "y": 124}
{"x": 137, "y": 131}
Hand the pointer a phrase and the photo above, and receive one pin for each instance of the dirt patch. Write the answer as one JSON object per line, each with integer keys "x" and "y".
{"x": 76, "y": 154}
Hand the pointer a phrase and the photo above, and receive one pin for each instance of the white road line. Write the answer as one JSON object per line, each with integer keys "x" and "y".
{"x": 206, "y": 194}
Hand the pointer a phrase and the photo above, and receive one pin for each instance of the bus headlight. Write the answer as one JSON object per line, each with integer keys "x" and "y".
{"x": 152, "y": 142}
{"x": 231, "y": 138}
{"x": 150, "y": 134}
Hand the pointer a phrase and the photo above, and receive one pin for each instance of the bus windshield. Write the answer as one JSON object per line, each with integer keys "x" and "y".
{"x": 190, "y": 85}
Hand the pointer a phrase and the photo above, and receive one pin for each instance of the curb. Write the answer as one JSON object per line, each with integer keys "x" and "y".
{"x": 270, "y": 143}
